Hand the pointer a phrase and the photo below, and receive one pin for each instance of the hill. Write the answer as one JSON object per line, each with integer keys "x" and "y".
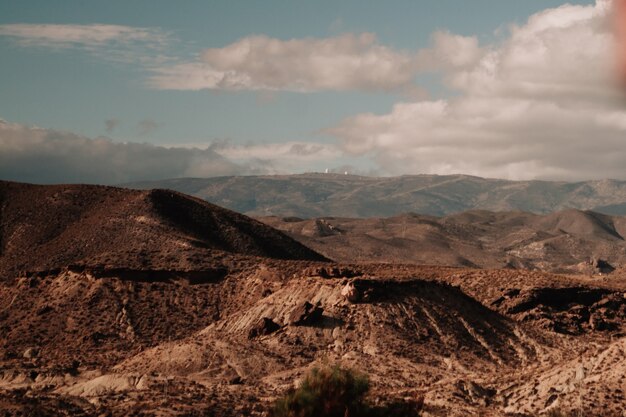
{"x": 320, "y": 195}
{"x": 50, "y": 227}
{"x": 564, "y": 241}
{"x": 124, "y": 302}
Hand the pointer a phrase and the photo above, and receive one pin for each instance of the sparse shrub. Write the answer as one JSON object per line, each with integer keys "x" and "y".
{"x": 337, "y": 392}
{"x": 327, "y": 392}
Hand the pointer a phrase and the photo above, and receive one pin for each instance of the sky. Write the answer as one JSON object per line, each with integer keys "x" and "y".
{"x": 119, "y": 91}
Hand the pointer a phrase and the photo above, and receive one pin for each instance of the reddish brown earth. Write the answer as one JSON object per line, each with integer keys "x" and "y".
{"x": 565, "y": 241}
{"x": 189, "y": 311}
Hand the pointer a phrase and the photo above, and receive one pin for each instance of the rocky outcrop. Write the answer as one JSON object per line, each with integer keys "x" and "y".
{"x": 306, "y": 314}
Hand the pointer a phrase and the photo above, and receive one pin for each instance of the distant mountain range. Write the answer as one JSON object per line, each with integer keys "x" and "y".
{"x": 319, "y": 195}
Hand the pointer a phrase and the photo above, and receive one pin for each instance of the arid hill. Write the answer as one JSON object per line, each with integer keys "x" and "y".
{"x": 50, "y": 227}
{"x": 567, "y": 241}
{"x": 203, "y": 328}
{"x": 323, "y": 195}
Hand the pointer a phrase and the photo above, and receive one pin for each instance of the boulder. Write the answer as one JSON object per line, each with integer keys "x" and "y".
{"x": 350, "y": 293}
{"x": 31, "y": 353}
{"x": 263, "y": 327}
{"x": 306, "y": 314}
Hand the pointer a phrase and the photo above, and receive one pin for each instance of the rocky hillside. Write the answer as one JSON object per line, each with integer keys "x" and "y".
{"x": 319, "y": 195}
{"x": 566, "y": 241}
{"x": 126, "y": 302}
{"x": 470, "y": 342}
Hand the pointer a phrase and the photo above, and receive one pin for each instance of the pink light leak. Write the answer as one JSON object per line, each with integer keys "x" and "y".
{"x": 619, "y": 7}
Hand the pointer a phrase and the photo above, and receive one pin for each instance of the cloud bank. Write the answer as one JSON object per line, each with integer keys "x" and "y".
{"x": 32, "y": 154}
{"x": 541, "y": 104}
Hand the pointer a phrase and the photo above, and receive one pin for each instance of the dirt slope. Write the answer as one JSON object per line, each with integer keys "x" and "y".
{"x": 474, "y": 342}
{"x": 50, "y": 227}
{"x": 564, "y": 241}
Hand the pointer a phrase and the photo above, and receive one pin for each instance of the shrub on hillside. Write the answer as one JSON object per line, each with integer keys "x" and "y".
{"x": 336, "y": 392}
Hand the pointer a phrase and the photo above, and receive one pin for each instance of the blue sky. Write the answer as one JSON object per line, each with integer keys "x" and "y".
{"x": 75, "y": 85}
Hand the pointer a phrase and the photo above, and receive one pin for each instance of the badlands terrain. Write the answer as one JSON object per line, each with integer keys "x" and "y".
{"x": 568, "y": 241}
{"x": 121, "y": 302}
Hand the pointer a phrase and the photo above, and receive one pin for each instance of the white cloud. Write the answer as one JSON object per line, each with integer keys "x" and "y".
{"x": 68, "y": 36}
{"x": 449, "y": 51}
{"x": 281, "y": 158}
{"x": 541, "y": 104}
{"x": 345, "y": 62}
{"x": 116, "y": 43}
{"x": 258, "y": 63}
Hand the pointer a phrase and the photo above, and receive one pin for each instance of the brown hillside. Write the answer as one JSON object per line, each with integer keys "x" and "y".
{"x": 128, "y": 302}
{"x": 50, "y": 227}
{"x": 564, "y": 241}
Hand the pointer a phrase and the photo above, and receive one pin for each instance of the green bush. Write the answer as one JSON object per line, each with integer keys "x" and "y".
{"x": 336, "y": 392}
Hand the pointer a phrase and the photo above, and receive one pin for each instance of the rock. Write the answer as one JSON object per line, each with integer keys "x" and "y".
{"x": 602, "y": 266}
{"x": 31, "y": 353}
{"x": 263, "y": 327}
{"x": 236, "y": 380}
{"x": 350, "y": 293}
{"x": 332, "y": 272}
{"x": 476, "y": 393}
{"x": 306, "y": 314}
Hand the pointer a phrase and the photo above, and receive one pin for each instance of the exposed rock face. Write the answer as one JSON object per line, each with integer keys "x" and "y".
{"x": 475, "y": 392}
{"x": 264, "y": 327}
{"x": 602, "y": 266}
{"x": 350, "y": 293}
{"x": 31, "y": 353}
{"x": 306, "y": 314}
{"x": 573, "y": 310}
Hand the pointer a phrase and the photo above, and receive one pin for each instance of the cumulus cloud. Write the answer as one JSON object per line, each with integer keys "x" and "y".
{"x": 449, "y": 52}
{"x": 541, "y": 104}
{"x": 345, "y": 62}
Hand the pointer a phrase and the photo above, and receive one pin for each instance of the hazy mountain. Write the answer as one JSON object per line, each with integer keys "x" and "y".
{"x": 318, "y": 195}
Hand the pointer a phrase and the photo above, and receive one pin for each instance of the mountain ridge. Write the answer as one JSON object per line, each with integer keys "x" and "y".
{"x": 318, "y": 195}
